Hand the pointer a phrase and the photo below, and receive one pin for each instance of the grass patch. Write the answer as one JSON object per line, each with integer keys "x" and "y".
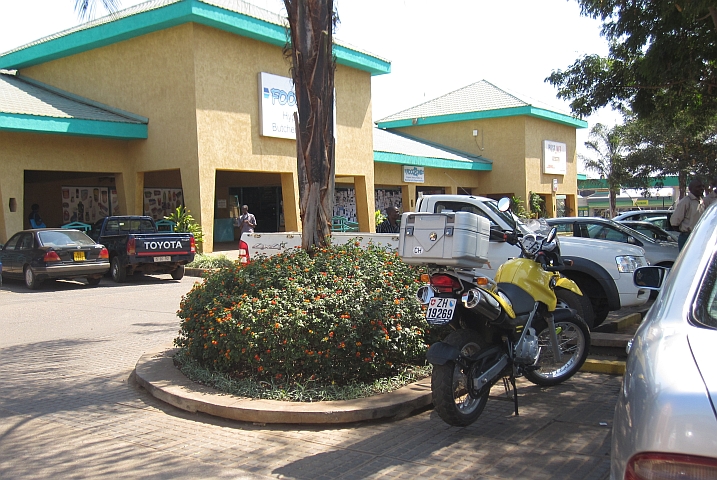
{"x": 309, "y": 391}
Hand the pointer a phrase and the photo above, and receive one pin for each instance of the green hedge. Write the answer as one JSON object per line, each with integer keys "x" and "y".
{"x": 346, "y": 315}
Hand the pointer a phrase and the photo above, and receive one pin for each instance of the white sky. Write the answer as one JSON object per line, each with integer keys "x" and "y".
{"x": 434, "y": 47}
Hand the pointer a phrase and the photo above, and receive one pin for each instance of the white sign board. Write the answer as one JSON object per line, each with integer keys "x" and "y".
{"x": 555, "y": 158}
{"x": 413, "y": 174}
{"x": 277, "y": 104}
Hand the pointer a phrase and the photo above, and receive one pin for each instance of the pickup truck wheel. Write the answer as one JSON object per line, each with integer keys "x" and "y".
{"x": 601, "y": 309}
{"x": 178, "y": 274}
{"x": 118, "y": 272}
{"x": 31, "y": 280}
{"x": 94, "y": 280}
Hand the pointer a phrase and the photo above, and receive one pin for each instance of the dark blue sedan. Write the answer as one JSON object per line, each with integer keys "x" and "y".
{"x": 47, "y": 253}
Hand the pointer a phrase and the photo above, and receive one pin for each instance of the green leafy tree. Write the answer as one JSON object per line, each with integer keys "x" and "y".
{"x": 662, "y": 54}
{"x": 610, "y": 162}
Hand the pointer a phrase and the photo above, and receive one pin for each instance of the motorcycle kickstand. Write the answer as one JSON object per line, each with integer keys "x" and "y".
{"x": 509, "y": 385}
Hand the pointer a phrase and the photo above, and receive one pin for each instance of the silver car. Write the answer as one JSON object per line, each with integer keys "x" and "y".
{"x": 658, "y": 217}
{"x": 656, "y": 252}
{"x": 665, "y": 423}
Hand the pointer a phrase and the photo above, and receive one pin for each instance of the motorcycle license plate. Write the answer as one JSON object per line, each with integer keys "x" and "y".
{"x": 163, "y": 259}
{"x": 440, "y": 310}
{"x": 78, "y": 256}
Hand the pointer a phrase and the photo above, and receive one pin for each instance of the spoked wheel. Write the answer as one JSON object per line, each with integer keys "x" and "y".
{"x": 451, "y": 399}
{"x": 573, "y": 341}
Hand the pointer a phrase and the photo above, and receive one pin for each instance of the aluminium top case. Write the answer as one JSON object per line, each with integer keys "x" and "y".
{"x": 452, "y": 239}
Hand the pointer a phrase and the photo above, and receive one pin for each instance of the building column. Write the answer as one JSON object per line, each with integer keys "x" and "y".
{"x": 290, "y": 200}
{"x": 198, "y": 188}
{"x": 12, "y": 185}
{"x": 408, "y": 197}
{"x": 129, "y": 194}
{"x": 365, "y": 202}
{"x": 452, "y": 190}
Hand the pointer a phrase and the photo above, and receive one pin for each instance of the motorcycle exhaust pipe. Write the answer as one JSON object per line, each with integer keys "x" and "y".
{"x": 477, "y": 300}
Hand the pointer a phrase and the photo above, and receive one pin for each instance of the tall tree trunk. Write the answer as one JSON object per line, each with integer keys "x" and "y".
{"x": 613, "y": 202}
{"x": 311, "y": 24}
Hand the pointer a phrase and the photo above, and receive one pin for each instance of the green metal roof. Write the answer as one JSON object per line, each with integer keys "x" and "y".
{"x": 234, "y": 16}
{"x": 480, "y": 100}
{"x": 27, "y": 105}
{"x": 592, "y": 183}
{"x": 401, "y": 149}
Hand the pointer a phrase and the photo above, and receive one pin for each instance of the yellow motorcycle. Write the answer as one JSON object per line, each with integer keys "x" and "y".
{"x": 525, "y": 322}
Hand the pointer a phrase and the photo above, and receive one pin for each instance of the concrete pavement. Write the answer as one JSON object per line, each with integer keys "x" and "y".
{"x": 70, "y": 408}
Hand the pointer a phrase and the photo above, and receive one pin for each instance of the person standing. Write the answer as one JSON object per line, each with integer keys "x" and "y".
{"x": 246, "y": 221}
{"x": 390, "y": 225}
{"x": 34, "y": 218}
{"x": 688, "y": 210}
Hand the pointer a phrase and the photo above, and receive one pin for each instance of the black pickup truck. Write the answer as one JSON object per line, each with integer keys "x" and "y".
{"x": 135, "y": 246}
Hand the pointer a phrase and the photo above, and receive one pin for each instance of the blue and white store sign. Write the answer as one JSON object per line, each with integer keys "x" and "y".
{"x": 277, "y": 104}
{"x": 413, "y": 174}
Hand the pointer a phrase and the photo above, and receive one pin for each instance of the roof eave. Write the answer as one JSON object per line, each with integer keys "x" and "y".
{"x": 170, "y": 16}
{"x": 402, "y": 159}
{"x": 487, "y": 114}
{"x": 72, "y": 126}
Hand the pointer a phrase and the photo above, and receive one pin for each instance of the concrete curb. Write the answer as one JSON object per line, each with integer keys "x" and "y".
{"x": 155, "y": 371}
{"x": 612, "y": 367}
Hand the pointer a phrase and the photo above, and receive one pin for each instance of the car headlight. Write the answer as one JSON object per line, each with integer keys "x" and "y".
{"x": 628, "y": 263}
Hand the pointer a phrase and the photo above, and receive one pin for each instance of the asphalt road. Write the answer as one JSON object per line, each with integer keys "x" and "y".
{"x": 70, "y": 409}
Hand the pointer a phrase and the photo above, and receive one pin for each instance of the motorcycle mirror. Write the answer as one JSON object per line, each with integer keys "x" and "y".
{"x": 504, "y": 204}
{"x": 551, "y": 235}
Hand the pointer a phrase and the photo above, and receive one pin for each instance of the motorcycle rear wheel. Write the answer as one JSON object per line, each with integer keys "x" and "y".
{"x": 574, "y": 341}
{"x": 451, "y": 399}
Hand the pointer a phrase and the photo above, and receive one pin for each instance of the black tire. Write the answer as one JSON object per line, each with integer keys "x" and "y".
{"x": 580, "y": 303}
{"x": 31, "y": 280}
{"x": 450, "y": 399}
{"x": 93, "y": 281}
{"x": 601, "y": 310}
{"x": 118, "y": 272}
{"x": 178, "y": 274}
{"x": 574, "y": 340}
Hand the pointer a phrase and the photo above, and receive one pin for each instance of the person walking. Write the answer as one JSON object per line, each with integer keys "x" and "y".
{"x": 390, "y": 225}
{"x": 688, "y": 210}
{"x": 246, "y": 221}
{"x": 34, "y": 218}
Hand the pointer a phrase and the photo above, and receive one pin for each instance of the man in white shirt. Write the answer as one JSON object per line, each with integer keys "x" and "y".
{"x": 688, "y": 210}
{"x": 246, "y": 221}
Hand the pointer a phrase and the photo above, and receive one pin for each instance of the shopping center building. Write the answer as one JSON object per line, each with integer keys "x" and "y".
{"x": 189, "y": 102}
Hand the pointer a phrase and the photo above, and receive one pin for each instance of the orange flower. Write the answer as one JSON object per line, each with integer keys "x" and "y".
{"x": 260, "y": 368}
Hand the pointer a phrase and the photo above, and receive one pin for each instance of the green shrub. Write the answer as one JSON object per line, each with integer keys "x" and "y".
{"x": 348, "y": 314}
{"x": 202, "y": 260}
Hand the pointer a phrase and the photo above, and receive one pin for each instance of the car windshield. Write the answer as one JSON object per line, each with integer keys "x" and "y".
{"x": 705, "y": 309}
{"x": 63, "y": 238}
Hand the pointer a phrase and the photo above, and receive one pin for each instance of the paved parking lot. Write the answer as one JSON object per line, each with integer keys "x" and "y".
{"x": 69, "y": 409}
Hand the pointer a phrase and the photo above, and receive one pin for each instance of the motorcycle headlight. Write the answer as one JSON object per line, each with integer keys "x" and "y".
{"x": 628, "y": 263}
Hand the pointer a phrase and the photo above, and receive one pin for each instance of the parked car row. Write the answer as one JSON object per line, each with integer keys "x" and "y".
{"x": 119, "y": 245}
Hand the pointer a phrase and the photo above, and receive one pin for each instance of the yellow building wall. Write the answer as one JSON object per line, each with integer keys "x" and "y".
{"x": 52, "y": 153}
{"x": 514, "y": 145}
{"x": 199, "y": 88}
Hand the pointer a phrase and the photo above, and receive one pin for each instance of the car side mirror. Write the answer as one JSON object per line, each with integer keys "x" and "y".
{"x": 651, "y": 277}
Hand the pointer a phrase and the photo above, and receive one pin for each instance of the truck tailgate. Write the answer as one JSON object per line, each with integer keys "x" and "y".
{"x": 163, "y": 244}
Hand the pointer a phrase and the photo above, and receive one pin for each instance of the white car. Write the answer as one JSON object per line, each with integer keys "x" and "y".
{"x": 665, "y": 424}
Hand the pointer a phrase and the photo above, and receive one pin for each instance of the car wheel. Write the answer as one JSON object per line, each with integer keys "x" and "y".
{"x": 178, "y": 274}
{"x": 94, "y": 280}
{"x": 118, "y": 272}
{"x": 31, "y": 280}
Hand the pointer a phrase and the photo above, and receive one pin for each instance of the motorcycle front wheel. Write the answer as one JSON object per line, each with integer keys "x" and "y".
{"x": 451, "y": 399}
{"x": 573, "y": 341}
